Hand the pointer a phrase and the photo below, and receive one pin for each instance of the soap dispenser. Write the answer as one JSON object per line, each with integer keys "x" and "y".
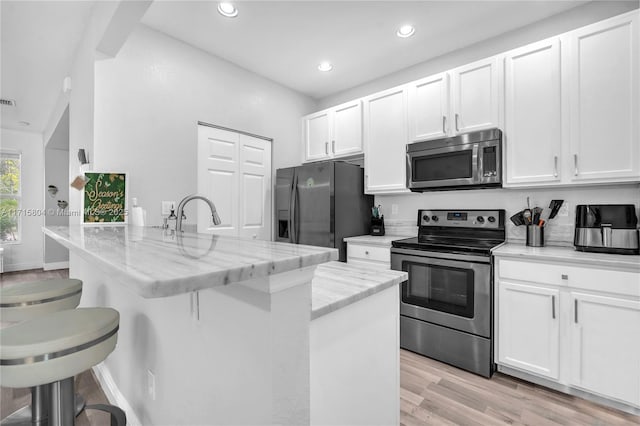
{"x": 172, "y": 219}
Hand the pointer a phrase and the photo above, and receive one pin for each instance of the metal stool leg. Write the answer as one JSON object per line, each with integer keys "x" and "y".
{"x": 62, "y": 406}
{"x": 118, "y": 416}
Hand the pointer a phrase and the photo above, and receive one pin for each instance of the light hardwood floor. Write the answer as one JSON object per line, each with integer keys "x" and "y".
{"x": 431, "y": 393}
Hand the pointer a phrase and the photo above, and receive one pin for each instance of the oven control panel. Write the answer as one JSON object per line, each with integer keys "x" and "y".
{"x": 490, "y": 219}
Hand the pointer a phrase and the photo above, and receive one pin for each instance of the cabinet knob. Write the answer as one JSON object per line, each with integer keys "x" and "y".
{"x": 366, "y": 252}
{"x": 565, "y": 277}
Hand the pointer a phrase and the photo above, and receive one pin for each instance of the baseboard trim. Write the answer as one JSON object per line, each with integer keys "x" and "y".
{"x": 55, "y": 265}
{"x": 14, "y": 267}
{"x": 113, "y": 394}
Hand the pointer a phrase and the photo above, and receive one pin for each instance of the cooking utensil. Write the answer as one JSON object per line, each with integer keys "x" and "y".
{"x": 526, "y": 213}
{"x": 555, "y": 207}
{"x": 537, "y": 211}
{"x": 517, "y": 218}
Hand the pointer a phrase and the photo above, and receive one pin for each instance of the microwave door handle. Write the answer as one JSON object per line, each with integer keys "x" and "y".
{"x": 477, "y": 164}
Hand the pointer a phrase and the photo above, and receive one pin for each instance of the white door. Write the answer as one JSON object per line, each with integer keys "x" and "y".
{"x": 234, "y": 171}
{"x": 347, "y": 129}
{"x": 528, "y": 328}
{"x": 533, "y": 113}
{"x": 605, "y": 128}
{"x": 605, "y": 345}
{"x": 255, "y": 188}
{"x": 218, "y": 179}
{"x": 385, "y": 138}
{"x": 316, "y": 135}
{"x": 429, "y": 107}
{"x": 476, "y": 95}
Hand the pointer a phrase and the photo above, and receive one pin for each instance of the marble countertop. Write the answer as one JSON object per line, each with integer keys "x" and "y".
{"x": 336, "y": 285}
{"x": 158, "y": 264}
{"x": 568, "y": 255}
{"x": 384, "y": 241}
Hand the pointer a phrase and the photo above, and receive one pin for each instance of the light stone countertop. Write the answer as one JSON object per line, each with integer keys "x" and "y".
{"x": 157, "y": 264}
{"x": 568, "y": 255}
{"x": 336, "y": 285}
{"x": 383, "y": 241}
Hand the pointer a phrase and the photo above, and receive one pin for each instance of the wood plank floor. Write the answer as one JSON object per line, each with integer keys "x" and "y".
{"x": 431, "y": 393}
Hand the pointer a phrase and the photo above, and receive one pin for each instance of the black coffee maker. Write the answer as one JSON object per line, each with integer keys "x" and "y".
{"x": 607, "y": 228}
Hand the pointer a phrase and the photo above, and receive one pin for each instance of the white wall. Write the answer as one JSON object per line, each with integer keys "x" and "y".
{"x": 56, "y": 171}
{"x": 563, "y": 22}
{"x": 148, "y": 101}
{"x": 28, "y": 253}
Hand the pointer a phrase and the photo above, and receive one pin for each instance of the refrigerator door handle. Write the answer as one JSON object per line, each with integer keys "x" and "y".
{"x": 292, "y": 209}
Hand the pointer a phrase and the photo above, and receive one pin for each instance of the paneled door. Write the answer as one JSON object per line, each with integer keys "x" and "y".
{"x": 234, "y": 171}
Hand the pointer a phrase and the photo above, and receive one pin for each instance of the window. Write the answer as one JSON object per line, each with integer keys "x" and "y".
{"x": 10, "y": 196}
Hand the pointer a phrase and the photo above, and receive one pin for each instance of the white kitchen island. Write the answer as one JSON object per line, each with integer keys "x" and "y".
{"x": 214, "y": 330}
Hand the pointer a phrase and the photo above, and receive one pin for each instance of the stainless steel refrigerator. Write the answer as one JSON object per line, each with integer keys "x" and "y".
{"x": 319, "y": 204}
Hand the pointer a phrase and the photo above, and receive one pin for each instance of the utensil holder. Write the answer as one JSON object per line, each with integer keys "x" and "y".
{"x": 377, "y": 226}
{"x": 535, "y": 236}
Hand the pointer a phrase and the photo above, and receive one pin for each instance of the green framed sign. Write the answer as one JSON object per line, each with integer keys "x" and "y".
{"x": 104, "y": 200}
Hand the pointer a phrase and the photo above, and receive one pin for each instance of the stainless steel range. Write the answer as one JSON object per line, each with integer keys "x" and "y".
{"x": 446, "y": 304}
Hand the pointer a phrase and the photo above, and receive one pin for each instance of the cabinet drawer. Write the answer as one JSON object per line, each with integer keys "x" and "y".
{"x": 542, "y": 273}
{"x": 379, "y": 254}
{"x": 604, "y": 280}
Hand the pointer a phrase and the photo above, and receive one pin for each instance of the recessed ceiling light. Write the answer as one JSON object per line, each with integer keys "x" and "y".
{"x": 24, "y": 123}
{"x": 325, "y": 66}
{"x": 227, "y": 9}
{"x": 405, "y": 31}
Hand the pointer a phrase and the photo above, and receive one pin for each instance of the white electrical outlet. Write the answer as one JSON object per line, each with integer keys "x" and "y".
{"x": 167, "y": 206}
{"x": 394, "y": 209}
{"x": 564, "y": 210}
{"x": 151, "y": 385}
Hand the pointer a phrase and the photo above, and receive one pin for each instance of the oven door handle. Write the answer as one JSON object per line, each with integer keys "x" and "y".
{"x": 436, "y": 258}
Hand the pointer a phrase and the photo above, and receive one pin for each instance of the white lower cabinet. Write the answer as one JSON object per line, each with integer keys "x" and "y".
{"x": 369, "y": 256}
{"x": 529, "y": 328}
{"x": 605, "y": 346}
{"x": 577, "y": 326}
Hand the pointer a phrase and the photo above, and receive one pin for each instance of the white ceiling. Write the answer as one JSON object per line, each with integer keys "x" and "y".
{"x": 285, "y": 40}
{"x": 38, "y": 42}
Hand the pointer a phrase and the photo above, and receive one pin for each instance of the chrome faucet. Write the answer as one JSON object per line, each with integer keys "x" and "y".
{"x": 185, "y": 200}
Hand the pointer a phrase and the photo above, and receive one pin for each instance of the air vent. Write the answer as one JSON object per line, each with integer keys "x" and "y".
{"x": 7, "y": 102}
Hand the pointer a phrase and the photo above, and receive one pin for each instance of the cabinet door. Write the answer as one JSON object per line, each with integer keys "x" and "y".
{"x": 605, "y": 344}
{"x": 429, "y": 107}
{"x": 316, "y": 136}
{"x": 385, "y": 136}
{"x": 604, "y": 101}
{"x": 476, "y": 93}
{"x": 347, "y": 129}
{"x": 533, "y": 121}
{"x": 528, "y": 328}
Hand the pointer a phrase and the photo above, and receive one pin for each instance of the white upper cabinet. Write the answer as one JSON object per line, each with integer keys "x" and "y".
{"x": 333, "y": 132}
{"x": 533, "y": 113}
{"x": 316, "y": 135}
{"x": 429, "y": 107}
{"x": 385, "y": 135}
{"x": 347, "y": 129}
{"x": 475, "y": 97}
{"x": 604, "y": 96}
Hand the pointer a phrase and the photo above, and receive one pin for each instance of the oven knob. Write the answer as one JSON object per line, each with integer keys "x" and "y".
{"x": 480, "y": 219}
{"x": 425, "y": 218}
{"x": 491, "y": 219}
{"x": 434, "y": 218}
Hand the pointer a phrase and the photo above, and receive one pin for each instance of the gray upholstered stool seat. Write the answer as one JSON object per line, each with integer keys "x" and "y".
{"x": 53, "y": 349}
{"x": 23, "y": 301}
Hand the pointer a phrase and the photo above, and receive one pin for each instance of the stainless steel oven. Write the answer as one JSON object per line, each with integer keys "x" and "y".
{"x": 446, "y": 302}
{"x": 472, "y": 160}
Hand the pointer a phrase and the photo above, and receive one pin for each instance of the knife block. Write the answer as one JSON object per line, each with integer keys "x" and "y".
{"x": 377, "y": 226}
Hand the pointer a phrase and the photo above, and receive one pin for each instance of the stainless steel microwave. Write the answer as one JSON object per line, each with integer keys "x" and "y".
{"x": 469, "y": 161}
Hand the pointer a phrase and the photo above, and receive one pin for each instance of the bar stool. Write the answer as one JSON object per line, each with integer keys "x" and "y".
{"x": 24, "y": 301}
{"x": 53, "y": 349}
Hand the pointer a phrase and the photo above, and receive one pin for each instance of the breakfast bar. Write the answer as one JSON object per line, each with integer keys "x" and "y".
{"x": 218, "y": 330}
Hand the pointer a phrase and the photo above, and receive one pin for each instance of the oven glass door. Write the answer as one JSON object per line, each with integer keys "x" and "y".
{"x": 454, "y": 293}
{"x": 440, "y": 288}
